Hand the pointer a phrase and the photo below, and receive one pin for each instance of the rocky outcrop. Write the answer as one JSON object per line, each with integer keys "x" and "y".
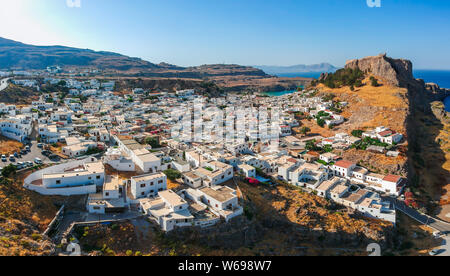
{"x": 398, "y": 72}
{"x": 437, "y": 93}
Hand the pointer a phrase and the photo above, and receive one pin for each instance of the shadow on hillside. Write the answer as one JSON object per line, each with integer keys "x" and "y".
{"x": 427, "y": 176}
{"x": 263, "y": 230}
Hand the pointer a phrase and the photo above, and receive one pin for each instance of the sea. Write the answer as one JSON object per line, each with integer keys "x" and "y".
{"x": 440, "y": 77}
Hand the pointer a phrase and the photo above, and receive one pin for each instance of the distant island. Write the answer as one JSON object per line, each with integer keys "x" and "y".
{"x": 300, "y": 69}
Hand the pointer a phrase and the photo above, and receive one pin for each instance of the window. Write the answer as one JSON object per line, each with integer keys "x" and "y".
{"x": 142, "y": 193}
{"x": 142, "y": 185}
{"x": 106, "y": 194}
{"x": 58, "y": 181}
{"x": 98, "y": 176}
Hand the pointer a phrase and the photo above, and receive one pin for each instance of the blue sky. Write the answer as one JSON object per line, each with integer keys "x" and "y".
{"x": 250, "y": 32}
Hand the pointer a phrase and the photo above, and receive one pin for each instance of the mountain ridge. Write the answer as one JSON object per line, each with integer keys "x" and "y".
{"x": 17, "y": 55}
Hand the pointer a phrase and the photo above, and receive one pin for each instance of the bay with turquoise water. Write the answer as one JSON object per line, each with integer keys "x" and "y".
{"x": 278, "y": 94}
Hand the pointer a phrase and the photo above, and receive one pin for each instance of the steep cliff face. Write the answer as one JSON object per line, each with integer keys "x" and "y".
{"x": 396, "y": 72}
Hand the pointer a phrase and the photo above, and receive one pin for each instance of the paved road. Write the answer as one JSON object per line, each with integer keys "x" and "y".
{"x": 421, "y": 218}
{"x": 3, "y": 84}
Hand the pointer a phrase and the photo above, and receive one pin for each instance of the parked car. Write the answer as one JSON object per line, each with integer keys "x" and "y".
{"x": 20, "y": 165}
{"x": 40, "y": 145}
{"x": 12, "y": 158}
{"x": 4, "y": 158}
{"x": 54, "y": 157}
{"x": 435, "y": 252}
{"x": 16, "y": 154}
{"x": 27, "y": 148}
{"x": 29, "y": 164}
{"x": 38, "y": 161}
{"x": 46, "y": 153}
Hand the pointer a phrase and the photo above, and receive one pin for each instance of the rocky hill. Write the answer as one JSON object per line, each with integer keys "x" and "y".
{"x": 411, "y": 105}
{"x": 396, "y": 72}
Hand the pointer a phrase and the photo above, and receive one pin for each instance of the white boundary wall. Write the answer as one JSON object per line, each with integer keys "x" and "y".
{"x": 90, "y": 189}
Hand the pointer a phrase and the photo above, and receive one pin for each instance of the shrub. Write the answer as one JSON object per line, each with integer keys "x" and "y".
{"x": 36, "y": 237}
{"x": 374, "y": 82}
{"x": 345, "y": 76}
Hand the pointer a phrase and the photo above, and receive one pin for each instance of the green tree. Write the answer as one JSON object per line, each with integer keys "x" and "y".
{"x": 172, "y": 174}
{"x": 153, "y": 142}
{"x": 9, "y": 170}
{"x": 321, "y": 122}
{"x": 305, "y": 130}
{"x": 357, "y": 133}
{"x": 327, "y": 148}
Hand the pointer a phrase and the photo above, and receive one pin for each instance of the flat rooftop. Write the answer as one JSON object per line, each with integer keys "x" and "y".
{"x": 172, "y": 198}
{"x": 147, "y": 177}
{"x": 222, "y": 194}
{"x": 111, "y": 183}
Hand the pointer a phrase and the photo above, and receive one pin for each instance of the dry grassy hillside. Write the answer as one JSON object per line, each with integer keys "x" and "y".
{"x": 370, "y": 106}
{"x": 23, "y": 216}
{"x": 277, "y": 221}
{"x": 8, "y": 146}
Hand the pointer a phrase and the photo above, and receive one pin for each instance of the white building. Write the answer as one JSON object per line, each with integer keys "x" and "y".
{"x": 85, "y": 175}
{"x": 148, "y": 185}
{"x": 222, "y": 200}
{"x": 169, "y": 210}
{"x": 17, "y": 128}
{"x": 247, "y": 170}
{"x": 110, "y": 200}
